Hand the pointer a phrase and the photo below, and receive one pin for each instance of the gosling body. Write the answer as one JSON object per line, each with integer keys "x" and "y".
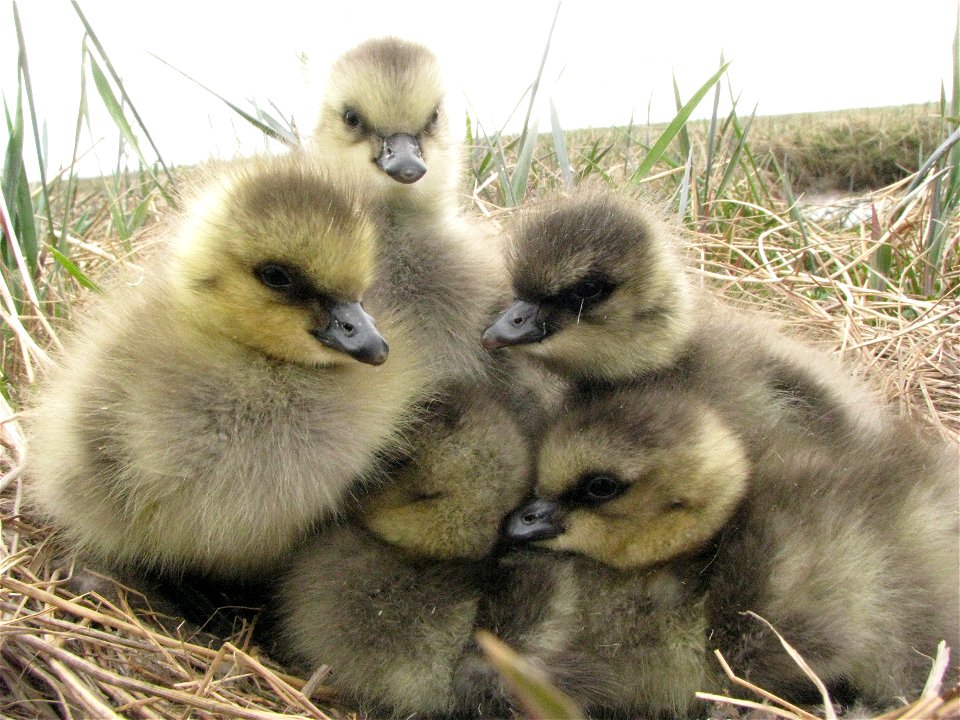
{"x": 383, "y": 119}
{"x": 603, "y": 298}
{"x": 206, "y": 414}
{"x": 390, "y": 601}
{"x": 851, "y": 557}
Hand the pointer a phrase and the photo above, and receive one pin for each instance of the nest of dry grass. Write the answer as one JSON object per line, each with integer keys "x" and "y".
{"x": 907, "y": 344}
{"x": 68, "y": 656}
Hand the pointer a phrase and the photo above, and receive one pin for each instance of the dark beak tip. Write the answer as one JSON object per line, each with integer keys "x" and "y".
{"x": 491, "y": 341}
{"x": 375, "y": 353}
{"x": 531, "y": 522}
{"x": 400, "y": 158}
{"x": 407, "y": 178}
{"x": 378, "y": 358}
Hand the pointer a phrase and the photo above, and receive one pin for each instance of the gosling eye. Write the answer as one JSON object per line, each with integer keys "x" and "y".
{"x": 274, "y": 276}
{"x": 587, "y": 290}
{"x": 434, "y": 119}
{"x": 424, "y": 495}
{"x": 677, "y": 504}
{"x": 351, "y": 118}
{"x": 596, "y": 489}
{"x": 584, "y": 293}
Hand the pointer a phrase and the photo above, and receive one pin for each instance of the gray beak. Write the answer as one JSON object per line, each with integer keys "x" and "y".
{"x": 400, "y": 158}
{"x": 351, "y": 330}
{"x": 518, "y": 324}
{"x": 533, "y": 521}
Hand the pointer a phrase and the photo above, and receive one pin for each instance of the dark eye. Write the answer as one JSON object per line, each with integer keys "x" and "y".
{"x": 351, "y": 118}
{"x": 274, "y": 276}
{"x": 434, "y": 117}
{"x": 601, "y": 488}
{"x": 424, "y": 495}
{"x": 587, "y": 290}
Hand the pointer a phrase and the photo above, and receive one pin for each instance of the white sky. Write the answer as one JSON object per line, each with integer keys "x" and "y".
{"x": 608, "y": 59}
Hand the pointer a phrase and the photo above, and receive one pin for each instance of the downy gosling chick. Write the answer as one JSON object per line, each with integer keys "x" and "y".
{"x": 603, "y": 298}
{"x": 390, "y": 600}
{"x": 204, "y": 416}
{"x": 853, "y": 558}
{"x": 383, "y": 119}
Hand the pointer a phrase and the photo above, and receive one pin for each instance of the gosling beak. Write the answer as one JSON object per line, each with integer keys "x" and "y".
{"x": 517, "y": 325}
{"x": 400, "y": 158}
{"x": 533, "y": 521}
{"x": 351, "y": 330}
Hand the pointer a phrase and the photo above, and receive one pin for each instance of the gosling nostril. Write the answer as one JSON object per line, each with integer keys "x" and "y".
{"x": 518, "y": 321}
{"x": 349, "y": 329}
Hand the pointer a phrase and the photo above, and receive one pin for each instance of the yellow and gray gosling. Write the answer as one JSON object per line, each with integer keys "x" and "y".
{"x": 390, "y": 600}
{"x": 383, "y": 120}
{"x": 850, "y": 552}
{"x": 383, "y": 114}
{"x": 602, "y": 298}
{"x": 204, "y": 416}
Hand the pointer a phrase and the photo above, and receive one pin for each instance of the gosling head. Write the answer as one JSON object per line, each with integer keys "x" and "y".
{"x": 632, "y": 480}
{"x": 383, "y": 117}
{"x": 600, "y": 290}
{"x": 469, "y": 468}
{"x": 275, "y": 257}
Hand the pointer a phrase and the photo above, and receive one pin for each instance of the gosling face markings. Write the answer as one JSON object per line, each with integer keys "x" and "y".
{"x": 632, "y": 480}
{"x": 600, "y": 292}
{"x": 248, "y": 271}
{"x": 383, "y": 109}
{"x": 469, "y": 469}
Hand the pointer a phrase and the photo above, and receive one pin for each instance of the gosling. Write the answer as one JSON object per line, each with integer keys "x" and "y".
{"x": 390, "y": 600}
{"x": 383, "y": 119}
{"x": 204, "y": 416}
{"x": 852, "y": 557}
{"x": 603, "y": 298}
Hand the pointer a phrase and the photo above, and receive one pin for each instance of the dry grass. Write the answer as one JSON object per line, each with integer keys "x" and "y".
{"x": 906, "y": 343}
{"x": 63, "y": 655}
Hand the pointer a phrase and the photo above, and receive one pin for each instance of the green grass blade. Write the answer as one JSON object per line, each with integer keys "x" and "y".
{"x": 796, "y": 215}
{"x": 539, "y": 698}
{"x": 711, "y": 145}
{"x": 26, "y": 226}
{"x": 123, "y": 93}
{"x": 16, "y": 194}
{"x": 520, "y": 179}
{"x": 683, "y": 136}
{"x": 262, "y": 126}
{"x": 13, "y": 158}
{"x": 593, "y": 160}
{"x": 498, "y": 159}
{"x": 934, "y": 158}
{"x": 685, "y": 187}
{"x": 934, "y": 240}
{"x": 675, "y": 126}
{"x": 536, "y": 82}
{"x": 560, "y": 146}
{"x": 735, "y": 155}
{"x": 626, "y": 147}
{"x": 953, "y": 186}
{"x": 71, "y": 185}
{"x": 112, "y": 105}
{"x": 881, "y": 263}
{"x": 24, "y": 70}
{"x": 74, "y": 271}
